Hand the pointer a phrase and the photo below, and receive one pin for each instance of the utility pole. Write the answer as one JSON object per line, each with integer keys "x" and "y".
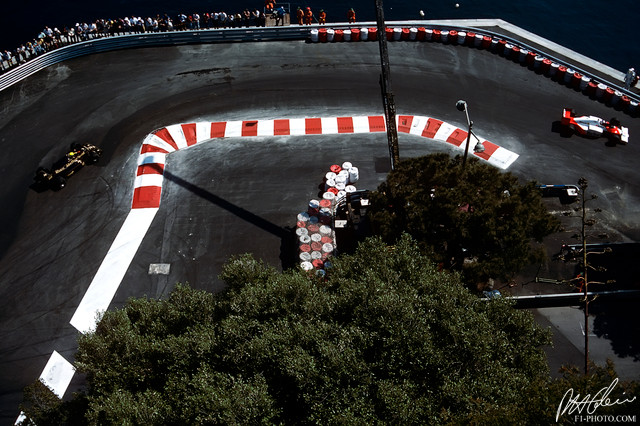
{"x": 385, "y": 86}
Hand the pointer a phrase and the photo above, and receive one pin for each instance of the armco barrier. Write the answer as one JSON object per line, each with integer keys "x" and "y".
{"x": 541, "y": 62}
{"x": 171, "y": 38}
{"x": 519, "y": 52}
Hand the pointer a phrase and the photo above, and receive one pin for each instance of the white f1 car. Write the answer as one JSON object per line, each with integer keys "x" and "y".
{"x": 590, "y": 126}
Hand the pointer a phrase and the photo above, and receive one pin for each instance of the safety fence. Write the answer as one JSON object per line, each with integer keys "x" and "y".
{"x": 510, "y": 48}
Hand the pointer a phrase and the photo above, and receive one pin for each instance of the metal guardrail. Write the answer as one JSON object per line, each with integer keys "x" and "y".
{"x": 247, "y": 34}
{"x": 172, "y": 38}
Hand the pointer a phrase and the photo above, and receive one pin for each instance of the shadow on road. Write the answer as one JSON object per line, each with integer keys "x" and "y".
{"x": 286, "y": 234}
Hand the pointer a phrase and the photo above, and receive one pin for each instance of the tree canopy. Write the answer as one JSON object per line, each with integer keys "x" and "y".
{"x": 475, "y": 219}
{"x": 385, "y": 337}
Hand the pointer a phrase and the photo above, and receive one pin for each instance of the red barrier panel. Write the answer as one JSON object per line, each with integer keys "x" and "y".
{"x": 470, "y": 38}
{"x": 373, "y": 34}
{"x": 562, "y": 70}
{"x": 436, "y": 35}
{"x": 355, "y": 34}
{"x": 422, "y": 31}
{"x": 322, "y": 34}
{"x": 389, "y": 33}
{"x": 453, "y": 36}
{"x": 486, "y": 42}
{"x": 405, "y": 34}
{"x": 501, "y": 46}
{"x": 608, "y": 94}
{"x": 338, "y": 35}
{"x": 576, "y": 79}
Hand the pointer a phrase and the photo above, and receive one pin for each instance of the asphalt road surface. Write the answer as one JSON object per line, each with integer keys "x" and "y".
{"x": 237, "y": 195}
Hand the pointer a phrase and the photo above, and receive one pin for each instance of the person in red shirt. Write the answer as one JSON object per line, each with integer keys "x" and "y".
{"x": 308, "y": 16}
{"x": 322, "y": 17}
{"x": 352, "y": 16}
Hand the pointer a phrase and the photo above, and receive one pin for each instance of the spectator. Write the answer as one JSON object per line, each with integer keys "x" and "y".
{"x": 308, "y": 16}
{"x": 322, "y": 17}
{"x": 351, "y": 14}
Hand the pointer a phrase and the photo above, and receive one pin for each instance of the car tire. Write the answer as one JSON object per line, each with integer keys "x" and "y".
{"x": 58, "y": 183}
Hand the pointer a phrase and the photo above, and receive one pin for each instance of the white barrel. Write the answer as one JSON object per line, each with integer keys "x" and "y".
{"x": 364, "y": 34}
{"x": 330, "y": 34}
{"x": 600, "y": 90}
{"x": 523, "y": 55}
{"x": 508, "y": 48}
{"x": 341, "y": 180}
{"x": 327, "y": 248}
{"x": 314, "y": 204}
{"x": 325, "y": 211}
{"x": 316, "y": 237}
{"x": 314, "y": 35}
{"x": 617, "y": 95}
{"x": 316, "y": 255}
{"x": 537, "y": 62}
{"x": 413, "y": 33}
{"x": 341, "y": 194}
{"x": 325, "y": 230}
{"x": 428, "y": 34}
{"x": 462, "y": 36}
{"x": 329, "y": 183}
{"x": 494, "y": 44}
{"x": 344, "y": 173}
{"x": 304, "y": 239}
{"x": 329, "y": 196}
{"x": 349, "y": 188}
{"x": 346, "y": 35}
{"x": 477, "y": 42}
{"x": 313, "y": 220}
{"x": 569, "y": 75}
{"x": 346, "y": 165}
{"x": 397, "y": 33}
{"x": 340, "y": 186}
{"x": 553, "y": 70}
{"x": 330, "y": 176}
{"x": 584, "y": 82}
{"x": 305, "y": 256}
{"x": 301, "y": 231}
{"x": 354, "y": 175}
{"x": 303, "y": 217}
{"x": 444, "y": 36}
{"x": 307, "y": 266}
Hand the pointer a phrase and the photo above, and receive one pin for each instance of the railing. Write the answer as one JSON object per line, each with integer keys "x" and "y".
{"x": 227, "y": 35}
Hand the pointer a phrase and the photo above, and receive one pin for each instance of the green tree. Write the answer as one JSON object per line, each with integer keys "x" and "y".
{"x": 385, "y": 338}
{"x": 476, "y": 219}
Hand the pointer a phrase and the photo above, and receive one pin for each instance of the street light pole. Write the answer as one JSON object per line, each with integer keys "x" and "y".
{"x": 462, "y": 106}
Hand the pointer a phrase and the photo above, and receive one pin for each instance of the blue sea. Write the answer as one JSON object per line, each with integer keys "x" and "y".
{"x": 606, "y": 31}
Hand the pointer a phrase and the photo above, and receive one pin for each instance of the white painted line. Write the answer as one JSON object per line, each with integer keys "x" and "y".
{"x": 203, "y": 131}
{"x": 444, "y": 132}
{"x": 361, "y": 125}
{"x": 329, "y": 125}
{"x": 265, "y": 128}
{"x": 177, "y": 134}
{"x": 418, "y": 125}
{"x": 233, "y": 129}
{"x": 113, "y": 268}
{"x": 152, "y": 158}
{"x": 297, "y": 127}
{"x": 57, "y": 374}
{"x": 151, "y": 179}
{"x": 154, "y": 140}
{"x": 502, "y": 158}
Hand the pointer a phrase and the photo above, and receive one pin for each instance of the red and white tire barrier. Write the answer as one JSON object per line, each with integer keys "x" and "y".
{"x": 520, "y": 54}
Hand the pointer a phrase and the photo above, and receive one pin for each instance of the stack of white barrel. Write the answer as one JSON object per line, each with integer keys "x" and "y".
{"x": 314, "y": 229}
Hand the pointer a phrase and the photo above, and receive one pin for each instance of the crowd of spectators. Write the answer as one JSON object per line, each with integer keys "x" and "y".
{"x": 50, "y": 39}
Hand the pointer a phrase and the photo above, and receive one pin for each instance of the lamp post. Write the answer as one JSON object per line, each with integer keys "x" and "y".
{"x": 462, "y": 106}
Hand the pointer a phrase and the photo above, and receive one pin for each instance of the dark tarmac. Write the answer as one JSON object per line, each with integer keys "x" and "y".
{"x": 238, "y": 195}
